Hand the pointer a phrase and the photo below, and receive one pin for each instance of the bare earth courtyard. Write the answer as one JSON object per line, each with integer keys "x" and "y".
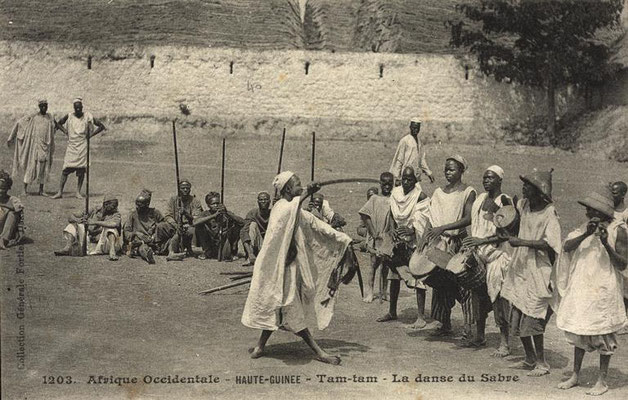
{"x": 86, "y": 320}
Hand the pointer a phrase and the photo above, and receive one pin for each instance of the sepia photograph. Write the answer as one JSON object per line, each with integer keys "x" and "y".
{"x": 313, "y": 199}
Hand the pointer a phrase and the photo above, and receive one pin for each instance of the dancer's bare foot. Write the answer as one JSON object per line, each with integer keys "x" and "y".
{"x": 417, "y": 325}
{"x": 387, "y": 317}
{"x": 523, "y": 365}
{"x": 328, "y": 359}
{"x": 44, "y": 194}
{"x": 256, "y": 352}
{"x": 368, "y": 298}
{"x": 57, "y": 195}
{"x": 569, "y": 383}
{"x": 502, "y": 351}
{"x": 113, "y": 257}
{"x": 78, "y": 195}
{"x": 599, "y": 389}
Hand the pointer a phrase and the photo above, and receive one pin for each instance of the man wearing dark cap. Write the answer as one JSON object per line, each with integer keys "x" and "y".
{"x": 145, "y": 229}
{"x": 180, "y": 214}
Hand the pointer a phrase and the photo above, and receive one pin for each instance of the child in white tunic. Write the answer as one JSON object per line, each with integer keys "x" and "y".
{"x": 589, "y": 280}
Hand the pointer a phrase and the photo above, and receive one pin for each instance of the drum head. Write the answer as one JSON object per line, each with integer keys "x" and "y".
{"x": 420, "y": 265}
{"x": 457, "y": 263}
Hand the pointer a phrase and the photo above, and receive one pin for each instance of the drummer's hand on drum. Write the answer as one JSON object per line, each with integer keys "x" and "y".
{"x": 404, "y": 231}
{"x": 472, "y": 242}
{"x": 434, "y": 233}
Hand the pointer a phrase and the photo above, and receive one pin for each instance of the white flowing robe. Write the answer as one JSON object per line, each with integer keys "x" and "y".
{"x": 281, "y": 295}
{"x": 33, "y": 138}
{"x": 409, "y": 153}
{"x": 527, "y": 281}
{"x": 496, "y": 258}
{"x": 591, "y": 289}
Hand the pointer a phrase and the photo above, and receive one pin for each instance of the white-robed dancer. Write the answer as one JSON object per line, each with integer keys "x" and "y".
{"x": 292, "y": 270}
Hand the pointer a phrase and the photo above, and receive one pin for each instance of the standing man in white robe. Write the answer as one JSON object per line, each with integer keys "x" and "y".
{"x": 410, "y": 153}
{"x": 292, "y": 270}
{"x": 79, "y": 124}
{"x": 33, "y": 140}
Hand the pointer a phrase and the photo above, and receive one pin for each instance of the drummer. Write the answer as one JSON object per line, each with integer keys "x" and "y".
{"x": 406, "y": 201}
{"x": 493, "y": 253}
{"x": 450, "y": 214}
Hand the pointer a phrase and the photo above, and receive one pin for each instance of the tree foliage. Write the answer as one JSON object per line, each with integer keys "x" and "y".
{"x": 532, "y": 41}
{"x": 540, "y": 43}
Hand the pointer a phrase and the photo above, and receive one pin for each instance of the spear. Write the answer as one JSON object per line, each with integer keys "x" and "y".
{"x": 313, "y": 157}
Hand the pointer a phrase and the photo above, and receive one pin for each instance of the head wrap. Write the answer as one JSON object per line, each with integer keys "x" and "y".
{"x": 42, "y": 101}
{"x": 184, "y": 181}
{"x": 280, "y": 181}
{"x": 458, "y": 158}
{"x": 416, "y": 120}
{"x": 78, "y": 100}
{"x": 497, "y": 170}
{"x": 109, "y": 197}
{"x": 263, "y": 192}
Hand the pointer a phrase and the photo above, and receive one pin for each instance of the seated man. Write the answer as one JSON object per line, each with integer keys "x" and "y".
{"x": 180, "y": 213}
{"x": 218, "y": 230}
{"x": 146, "y": 231}
{"x": 321, "y": 210}
{"x": 254, "y": 229}
{"x": 103, "y": 231}
{"x": 11, "y": 213}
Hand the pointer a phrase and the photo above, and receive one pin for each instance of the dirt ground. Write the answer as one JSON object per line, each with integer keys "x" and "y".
{"x": 90, "y": 316}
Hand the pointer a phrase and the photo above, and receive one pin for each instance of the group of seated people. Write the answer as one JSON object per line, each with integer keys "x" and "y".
{"x": 147, "y": 232}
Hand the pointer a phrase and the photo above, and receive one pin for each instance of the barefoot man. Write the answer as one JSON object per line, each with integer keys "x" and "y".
{"x": 375, "y": 216}
{"x": 79, "y": 124}
{"x": 292, "y": 270}
{"x": 406, "y": 201}
{"x": 33, "y": 138}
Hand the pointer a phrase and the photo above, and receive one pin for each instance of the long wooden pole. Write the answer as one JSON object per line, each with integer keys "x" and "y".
{"x": 176, "y": 154}
{"x": 313, "y": 154}
{"x": 283, "y": 141}
{"x": 86, "y": 236}
{"x": 222, "y": 172}
{"x": 227, "y": 286}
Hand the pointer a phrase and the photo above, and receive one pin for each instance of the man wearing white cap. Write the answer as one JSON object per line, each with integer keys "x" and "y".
{"x": 410, "y": 153}
{"x": 293, "y": 268}
{"x": 33, "y": 138}
{"x": 79, "y": 125}
{"x": 493, "y": 253}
